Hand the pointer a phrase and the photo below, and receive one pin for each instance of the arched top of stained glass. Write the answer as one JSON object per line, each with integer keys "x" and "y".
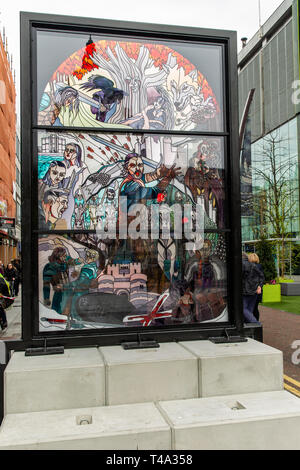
{"x": 136, "y": 85}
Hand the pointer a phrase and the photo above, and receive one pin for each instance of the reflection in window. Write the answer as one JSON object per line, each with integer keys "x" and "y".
{"x": 278, "y": 150}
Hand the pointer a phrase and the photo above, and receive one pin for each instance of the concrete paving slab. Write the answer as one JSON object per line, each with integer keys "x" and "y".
{"x": 257, "y": 421}
{"x": 74, "y": 379}
{"x": 133, "y": 427}
{"x": 226, "y": 369}
{"x": 148, "y": 375}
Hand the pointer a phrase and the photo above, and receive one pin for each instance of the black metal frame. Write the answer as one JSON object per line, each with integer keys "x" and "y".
{"x": 31, "y": 337}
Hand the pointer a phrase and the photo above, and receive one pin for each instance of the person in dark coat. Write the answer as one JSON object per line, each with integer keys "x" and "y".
{"x": 17, "y": 265}
{"x": 11, "y": 275}
{"x": 253, "y": 258}
{"x": 2, "y": 269}
{"x": 253, "y": 280}
{"x": 5, "y": 301}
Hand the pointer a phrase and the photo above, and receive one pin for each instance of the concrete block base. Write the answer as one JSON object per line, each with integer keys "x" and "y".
{"x": 133, "y": 427}
{"x": 74, "y": 379}
{"x": 226, "y": 369}
{"x": 257, "y": 421}
{"x": 168, "y": 372}
{"x": 188, "y": 395}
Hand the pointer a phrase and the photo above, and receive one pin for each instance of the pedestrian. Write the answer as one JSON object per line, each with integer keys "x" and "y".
{"x": 253, "y": 258}
{"x": 11, "y": 275}
{"x": 4, "y": 294}
{"x": 252, "y": 279}
{"x": 17, "y": 265}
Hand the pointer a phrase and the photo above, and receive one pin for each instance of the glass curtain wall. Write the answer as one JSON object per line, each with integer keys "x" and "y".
{"x": 274, "y": 167}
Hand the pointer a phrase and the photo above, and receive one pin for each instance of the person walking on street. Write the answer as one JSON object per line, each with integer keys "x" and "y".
{"x": 17, "y": 265}
{"x": 253, "y": 258}
{"x": 252, "y": 279}
{"x": 11, "y": 275}
{"x": 4, "y": 301}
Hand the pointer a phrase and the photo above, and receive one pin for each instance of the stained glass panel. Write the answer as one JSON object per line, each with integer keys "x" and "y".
{"x": 88, "y": 283}
{"x": 108, "y": 82}
{"x": 83, "y": 177}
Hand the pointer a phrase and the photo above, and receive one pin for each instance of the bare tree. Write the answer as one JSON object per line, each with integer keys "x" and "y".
{"x": 274, "y": 203}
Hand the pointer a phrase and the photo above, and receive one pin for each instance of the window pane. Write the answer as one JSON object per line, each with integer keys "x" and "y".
{"x": 85, "y": 282}
{"x": 140, "y": 84}
{"x": 83, "y": 178}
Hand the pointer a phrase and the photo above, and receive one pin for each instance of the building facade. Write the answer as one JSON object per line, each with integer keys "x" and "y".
{"x": 9, "y": 246}
{"x": 17, "y": 192}
{"x": 269, "y": 64}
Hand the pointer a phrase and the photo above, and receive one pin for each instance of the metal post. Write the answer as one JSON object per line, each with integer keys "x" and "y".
{"x": 3, "y": 361}
{"x": 290, "y": 260}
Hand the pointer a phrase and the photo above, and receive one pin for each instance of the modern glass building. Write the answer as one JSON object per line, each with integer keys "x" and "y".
{"x": 269, "y": 64}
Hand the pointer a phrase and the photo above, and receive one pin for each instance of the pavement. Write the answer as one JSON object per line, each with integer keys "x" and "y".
{"x": 281, "y": 330}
